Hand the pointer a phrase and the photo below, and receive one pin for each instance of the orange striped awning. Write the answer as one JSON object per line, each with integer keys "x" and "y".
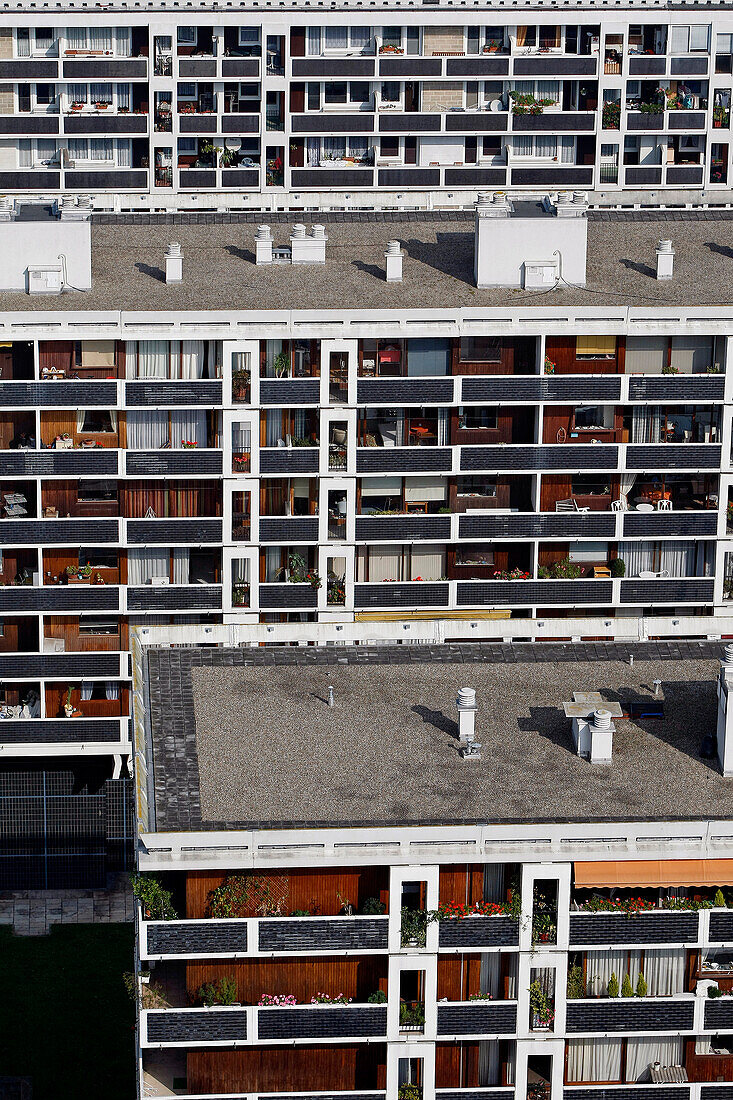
{"x": 654, "y": 872}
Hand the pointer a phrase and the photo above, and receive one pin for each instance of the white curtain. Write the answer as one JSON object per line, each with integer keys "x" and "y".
{"x": 313, "y": 41}
{"x": 147, "y": 429}
{"x": 131, "y": 358}
{"x": 313, "y": 150}
{"x": 100, "y": 38}
{"x": 111, "y": 689}
{"x": 188, "y": 424}
{"x": 640, "y": 1053}
{"x": 626, "y": 484}
{"x": 645, "y": 354}
{"x": 213, "y": 358}
{"x": 86, "y": 689}
{"x": 646, "y": 424}
{"x": 442, "y": 427}
{"x": 143, "y": 564}
{"x": 691, "y": 354}
{"x": 490, "y": 975}
{"x": 192, "y": 359}
{"x": 385, "y": 563}
{"x": 600, "y": 965}
{"x": 273, "y": 427}
{"x": 122, "y": 42}
{"x": 594, "y": 1060}
{"x": 181, "y": 556}
{"x": 664, "y": 970}
{"x": 152, "y": 359}
{"x": 241, "y": 438}
{"x": 124, "y": 153}
{"x": 681, "y": 559}
{"x": 240, "y": 570}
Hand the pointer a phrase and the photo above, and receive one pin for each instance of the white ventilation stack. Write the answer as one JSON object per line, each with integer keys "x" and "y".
{"x": 394, "y": 262}
{"x": 319, "y": 238}
{"x": 665, "y": 260}
{"x": 571, "y": 204}
{"x": 263, "y": 245}
{"x": 725, "y": 714}
{"x": 466, "y": 703}
{"x": 593, "y": 737}
{"x": 173, "y": 263}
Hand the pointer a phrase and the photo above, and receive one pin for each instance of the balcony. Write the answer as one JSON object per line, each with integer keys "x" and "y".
{"x": 409, "y": 594}
{"x": 95, "y": 462}
{"x": 405, "y": 391}
{"x": 187, "y": 461}
{"x": 652, "y": 929}
{"x": 67, "y": 731}
{"x": 290, "y": 391}
{"x": 59, "y": 532}
{"x": 67, "y": 394}
{"x": 530, "y": 593}
{"x": 287, "y": 529}
{"x": 59, "y": 598}
{"x": 592, "y": 525}
{"x": 60, "y": 665}
{"x": 24, "y": 69}
{"x": 30, "y": 180}
{"x": 163, "y": 394}
{"x": 288, "y": 597}
{"x": 476, "y": 933}
{"x": 175, "y": 597}
{"x": 540, "y": 457}
{"x": 555, "y": 122}
{"x": 606, "y": 388}
{"x": 476, "y": 1019}
{"x": 173, "y": 532}
{"x": 249, "y": 1026}
{"x": 719, "y": 1014}
{"x": 671, "y": 590}
{"x": 287, "y": 936}
{"x": 403, "y": 460}
{"x": 403, "y": 528}
{"x": 688, "y": 387}
{"x": 609, "y": 1015}
{"x": 647, "y": 65}
{"x": 289, "y": 460}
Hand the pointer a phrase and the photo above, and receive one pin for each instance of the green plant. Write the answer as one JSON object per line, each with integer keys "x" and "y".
{"x": 156, "y": 902}
{"x": 611, "y": 115}
{"x": 576, "y": 988}
{"x": 238, "y": 893}
{"x": 373, "y": 907}
{"x": 378, "y": 997}
{"x": 412, "y": 1014}
{"x": 618, "y": 567}
{"x": 281, "y": 364}
{"x": 300, "y": 913}
{"x": 549, "y": 365}
{"x": 414, "y": 927}
{"x": 719, "y": 899}
{"x": 714, "y": 991}
{"x": 480, "y": 997}
{"x": 72, "y": 570}
{"x": 670, "y": 370}
{"x": 641, "y": 986}
{"x": 612, "y": 987}
{"x": 524, "y": 103}
{"x": 564, "y": 569}
{"x": 444, "y": 510}
{"x": 651, "y": 108}
{"x": 408, "y": 1091}
{"x": 540, "y": 1005}
{"x": 627, "y": 989}
{"x": 221, "y": 992}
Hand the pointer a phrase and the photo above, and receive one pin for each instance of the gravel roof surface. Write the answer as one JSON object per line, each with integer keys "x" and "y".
{"x": 219, "y": 271}
{"x": 270, "y": 750}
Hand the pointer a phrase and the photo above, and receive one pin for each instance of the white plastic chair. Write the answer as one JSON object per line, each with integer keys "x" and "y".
{"x": 664, "y": 505}
{"x": 619, "y": 505}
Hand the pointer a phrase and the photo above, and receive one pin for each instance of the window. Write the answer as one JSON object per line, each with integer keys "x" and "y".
{"x": 77, "y": 93}
{"x": 187, "y": 36}
{"x": 187, "y": 91}
{"x": 97, "y": 490}
{"x": 335, "y": 38}
{"x": 391, "y": 91}
{"x": 480, "y": 349}
{"x": 45, "y": 94}
{"x": 389, "y": 147}
{"x": 476, "y": 486}
{"x": 44, "y": 39}
{"x": 693, "y": 39}
{"x": 97, "y": 420}
{"x": 481, "y": 416}
{"x": 249, "y": 36}
{"x": 314, "y": 96}
{"x": 595, "y": 347}
{"x": 98, "y": 624}
{"x": 359, "y": 91}
{"x": 392, "y": 36}
{"x": 360, "y": 37}
{"x": 523, "y": 145}
{"x": 475, "y": 555}
{"x": 187, "y": 147}
{"x": 335, "y": 92}
{"x": 100, "y": 93}
{"x": 593, "y": 416}
{"x": 23, "y": 42}
{"x": 589, "y": 485}
{"x": 99, "y": 557}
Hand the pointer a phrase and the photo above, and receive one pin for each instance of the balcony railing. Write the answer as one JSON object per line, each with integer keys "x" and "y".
{"x": 479, "y": 1019}
{"x": 250, "y": 1026}
{"x": 656, "y": 928}
{"x": 619, "y": 1015}
{"x": 263, "y": 936}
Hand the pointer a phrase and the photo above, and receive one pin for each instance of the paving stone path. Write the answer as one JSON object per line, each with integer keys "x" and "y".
{"x": 32, "y": 912}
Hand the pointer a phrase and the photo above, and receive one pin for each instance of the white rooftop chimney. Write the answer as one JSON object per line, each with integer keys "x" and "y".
{"x": 571, "y": 205}
{"x": 308, "y": 248}
{"x": 173, "y": 263}
{"x": 394, "y": 262}
{"x": 263, "y": 245}
{"x": 466, "y": 703}
{"x": 665, "y": 260}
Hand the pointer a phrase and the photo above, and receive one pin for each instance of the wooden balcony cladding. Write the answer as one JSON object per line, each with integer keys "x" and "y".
{"x": 66, "y": 423}
{"x": 356, "y": 977}
{"x": 89, "y": 708}
{"x": 563, "y": 352}
{"x": 325, "y": 1068}
{"x": 100, "y": 359}
{"x": 503, "y": 355}
{"x": 301, "y": 888}
{"x": 66, "y": 628}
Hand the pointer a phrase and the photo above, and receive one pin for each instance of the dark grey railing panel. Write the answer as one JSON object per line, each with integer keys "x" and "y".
{"x": 322, "y": 1023}
{"x": 674, "y": 590}
{"x": 291, "y": 596}
{"x": 196, "y": 67}
{"x": 607, "y": 928}
{"x": 635, "y": 120}
{"x": 336, "y": 177}
{"x": 240, "y": 124}
{"x": 673, "y": 524}
{"x": 116, "y": 179}
{"x": 188, "y": 461}
{"x": 105, "y": 69}
{"x": 687, "y": 174}
{"x": 197, "y": 124}
{"x": 550, "y": 457}
{"x": 555, "y": 66}
{"x": 289, "y": 460}
{"x": 685, "y": 388}
{"x": 527, "y": 593}
{"x": 475, "y": 177}
{"x": 289, "y": 529}
{"x": 592, "y": 525}
{"x": 30, "y": 181}
{"x": 619, "y": 1014}
{"x": 477, "y": 932}
{"x": 106, "y": 124}
{"x": 167, "y": 394}
{"x": 51, "y": 532}
{"x": 88, "y": 463}
{"x": 480, "y": 1018}
{"x": 620, "y": 1092}
{"x": 29, "y": 124}
{"x": 477, "y": 122}
{"x": 173, "y": 531}
{"x": 358, "y": 68}
{"x": 645, "y": 176}
{"x": 552, "y": 177}
{"x": 322, "y": 934}
{"x": 716, "y": 1092}
{"x": 563, "y": 122}
{"x": 197, "y": 177}
{"x": 183, "y": 597}
{"x": 332, "y": 124}
{"x": 290, "y": 391}
{"x": 546, "y": 388}
{"x": 429, "y": 391}
{"x": 32, "y": 665}
{"x": 402, "y": 528}
{"x": 408, "y": 177}
{"x": 47, "y": 69}
{"x": 410, "y": 66}
{"x": 240, "y": 177}
{"x": 721, "y": 927}
{"x": 475, "y": 1094}
{"x": 201, "y": 937}
{"x": 686, "y": 120}
{"x": 240, "y": 66}
{"x": 68, "y": 395}
{"x": 386, "y": 594}
{"x": 421, "y": 122}
{"x": 62, "y": 597}
{"x": 63, "y": 731}
{"x": 211, "y": 1025}
{"x": 719, "y": 1014}
{"x": 647, "y": 66}
{"x": 689, "y": 66}
{"x": 477, "y": 66}
{"x": 384, "y": 460}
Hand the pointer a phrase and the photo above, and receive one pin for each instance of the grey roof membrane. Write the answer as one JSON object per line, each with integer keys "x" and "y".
{"x": 244, "y": 737}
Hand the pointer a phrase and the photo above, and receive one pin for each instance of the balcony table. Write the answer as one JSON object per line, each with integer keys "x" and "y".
{"x": 643, "y": 507}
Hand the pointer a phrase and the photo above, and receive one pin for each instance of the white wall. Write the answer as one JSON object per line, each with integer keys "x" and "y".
{"x": 42, "y": 242}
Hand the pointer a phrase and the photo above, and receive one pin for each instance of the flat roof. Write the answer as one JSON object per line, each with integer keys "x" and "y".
{"x": 245, "y": 738}
{"x": 219, "y": 271}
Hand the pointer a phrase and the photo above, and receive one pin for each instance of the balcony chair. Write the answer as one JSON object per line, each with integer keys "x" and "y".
{"x": 569, "y": 505}
{"x": 620, "y": 505}
{"x": 650, "y": 575}
{"x": 664, "y": 505}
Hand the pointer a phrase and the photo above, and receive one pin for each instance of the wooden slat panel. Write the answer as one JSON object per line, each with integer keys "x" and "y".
{"x": 353, "y": 976}
{"x": 323, "y": 1068}
{"x": 305, "y": 890}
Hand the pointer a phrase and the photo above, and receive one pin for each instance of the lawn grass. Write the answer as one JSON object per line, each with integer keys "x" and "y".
{"x": 67, "y": 1021}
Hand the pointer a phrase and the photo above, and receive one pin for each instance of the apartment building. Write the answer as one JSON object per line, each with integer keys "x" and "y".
{"x": 365, "y": 900}
{"x": 274, "y": 434}
{"x": 211, "y": 108}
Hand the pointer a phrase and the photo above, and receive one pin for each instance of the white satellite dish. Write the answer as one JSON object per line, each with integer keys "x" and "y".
{"x": 235, "y": 144}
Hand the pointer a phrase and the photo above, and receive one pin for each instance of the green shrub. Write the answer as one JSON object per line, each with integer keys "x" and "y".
{"x": 373, "y": 907}
{"x": 641, "y": 986}
{"x": 576, "y": 988}
{"x": 155, "y": 901}
{"x": 618, "y": 567}
{"x": 719, "y": 899}
{"x": 221, "y": 992}
{"x": 612, "y": 987}
{"x": 627, "y": 989}
{"x": 378, "y": 997}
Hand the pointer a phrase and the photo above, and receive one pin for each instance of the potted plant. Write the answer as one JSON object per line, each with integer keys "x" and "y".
{"x": 413, "y": 927}
{"x": 618, "y": 567}
{"x": 549, "y": 366}
{"x": 101, "y": 106}
{"x": 281, "y": 364}
{"x": 155, "y": 901}
{"x": 542, "y": 1012}
{"x": 240, "y": 385}
{"x": 68, "y": 705}
{"x": 611, "y": 115}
